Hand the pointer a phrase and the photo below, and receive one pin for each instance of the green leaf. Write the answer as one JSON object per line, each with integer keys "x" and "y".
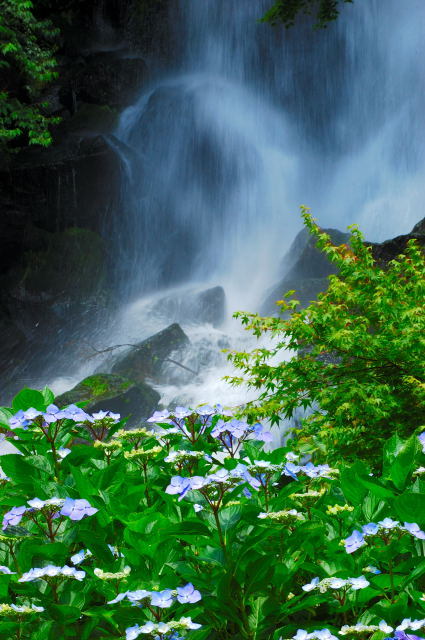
{"x": 410, "y": 507}
{"x": 27, "y": 399}
{"x": 352, "y": 489}
{"x": 404, "y": 462}
{"x": 5, "y": 415}
{"x": 48, "y": 396}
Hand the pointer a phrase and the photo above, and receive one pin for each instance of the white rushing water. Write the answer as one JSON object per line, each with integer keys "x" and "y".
{"x": 248, "y": 123}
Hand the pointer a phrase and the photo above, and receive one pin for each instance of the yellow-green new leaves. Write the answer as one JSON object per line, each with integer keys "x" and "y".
{"x": 359, "y": 362}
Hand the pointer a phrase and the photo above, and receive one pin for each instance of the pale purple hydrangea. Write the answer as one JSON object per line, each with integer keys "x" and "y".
{"x": 160, "y": 416}
{"x": 162, "y": 599}
{"x": 188, "y": 594}
{"x": 354, "y": 542}
{"x": 51, "y": 571}
{"x": 13, "y": 517}
{"x": 77, "y": 509}
{"x": 357, "y": 538}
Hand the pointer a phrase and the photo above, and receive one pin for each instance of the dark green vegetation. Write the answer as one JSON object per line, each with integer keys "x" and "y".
{"x": 359, "y": 363}
{"x": 27, "y": 46}
{"x": 286, "y": 12}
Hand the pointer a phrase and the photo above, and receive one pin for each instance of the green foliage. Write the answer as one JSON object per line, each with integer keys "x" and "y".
{"x": 359, "y": 362}
{"x": 249, "y": 556}
{"x": 286, "y": 11}
{"x": 27, "y": 65}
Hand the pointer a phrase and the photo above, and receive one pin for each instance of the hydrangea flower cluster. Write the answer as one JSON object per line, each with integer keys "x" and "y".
{"x": 162, "y": 599}
{"x": 112, "y": 446}
{"x": 142, "y": 455}
{"x": 286, "y": 516}
{"x": 23, "y": 419}
{"x": 313, "y": 471}
{"x": 181, "y": 457}
{"x": 108, "y": 575}
{"x": 161, "y": 628}
{"x": 133, "y": 435}
{"x": 232, "y": 433}
{"x": 317, "y": 634}
{"x": 42, "y": 419}
{"x": 338, "y": 508}
{"x": 421, "y": 438}
{"x": 336, "y": 583}
{"x": 383, "y": 528}
{"x": 19, "y": 610}
{"x": 54, "y": 507}
{"x": 362, "y": 629}
{"x": 224, "y": 478}
{"x": 51, "y": 571}
{"x": 359, "y": 628}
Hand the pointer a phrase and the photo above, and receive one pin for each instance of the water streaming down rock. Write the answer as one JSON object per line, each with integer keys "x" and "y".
{"x": 248, "y": 123}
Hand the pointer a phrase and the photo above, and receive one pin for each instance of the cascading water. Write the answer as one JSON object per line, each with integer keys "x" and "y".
{"x": 248, "y": 123}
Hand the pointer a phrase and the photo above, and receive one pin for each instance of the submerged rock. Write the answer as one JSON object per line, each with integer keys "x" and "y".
{"x": 204, "y": 307}
{"x": 109, "y": 392}
{"x": 146, "y": 359}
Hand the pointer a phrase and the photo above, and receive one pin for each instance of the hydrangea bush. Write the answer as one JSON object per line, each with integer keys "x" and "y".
{"x": 191, "y": 526}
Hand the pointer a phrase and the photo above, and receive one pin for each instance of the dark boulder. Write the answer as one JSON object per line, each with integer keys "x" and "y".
{"x": 383, "y": 252}
{"x": 109, "y": 392}
{"x": 146, "y": 359}
{"x": 188, "y": 307}
{"x": 307, "y": 269}
{"x": 107, "y": 78}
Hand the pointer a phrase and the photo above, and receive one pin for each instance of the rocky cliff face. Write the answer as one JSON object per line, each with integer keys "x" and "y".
{"x": 305, "y": 269}
{"x": 55, "y": 203}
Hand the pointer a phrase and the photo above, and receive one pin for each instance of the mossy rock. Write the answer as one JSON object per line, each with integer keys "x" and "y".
{"x": 146, "y": 359}
{"x": 109, "y": 392}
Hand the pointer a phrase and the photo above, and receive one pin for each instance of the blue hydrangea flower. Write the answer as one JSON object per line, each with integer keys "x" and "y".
{"x": 178, "y": 485}
{"x": 77, "y": 509}
{"x": 18, "y": 421}
{"x": 414, "y": 530}
{"x": 370, "y": 529}
{"x": 162, "y": 599}
{"x": 13, "y": 517}
{"x": 311, "y": 585}
{"x": 354, "y": 542}
{"x": 387, "y": 523}
{"x": 160, "y": 416}
{"x": 188, "y": 594}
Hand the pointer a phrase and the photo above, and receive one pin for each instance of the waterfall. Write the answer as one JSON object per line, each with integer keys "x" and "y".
{"x": 247, "y": 123}
{"x": 253, "y": 121}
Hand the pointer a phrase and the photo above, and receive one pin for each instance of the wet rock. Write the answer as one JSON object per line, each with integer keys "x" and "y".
{"x": 146, "y": 359}
{"x": 72, "y": 269}
{"x": 109, "y": 392}
{"x": 307, "y": 269}
{"x": 205, "y": 307}
{"x": 383, "y": 252}
{"x": 106, "y": 78}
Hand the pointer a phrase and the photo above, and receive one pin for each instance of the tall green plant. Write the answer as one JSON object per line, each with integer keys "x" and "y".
{"x": 359, "y": 351}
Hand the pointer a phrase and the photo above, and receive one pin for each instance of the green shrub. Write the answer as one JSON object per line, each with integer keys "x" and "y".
{"x": 359, "y": 353}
